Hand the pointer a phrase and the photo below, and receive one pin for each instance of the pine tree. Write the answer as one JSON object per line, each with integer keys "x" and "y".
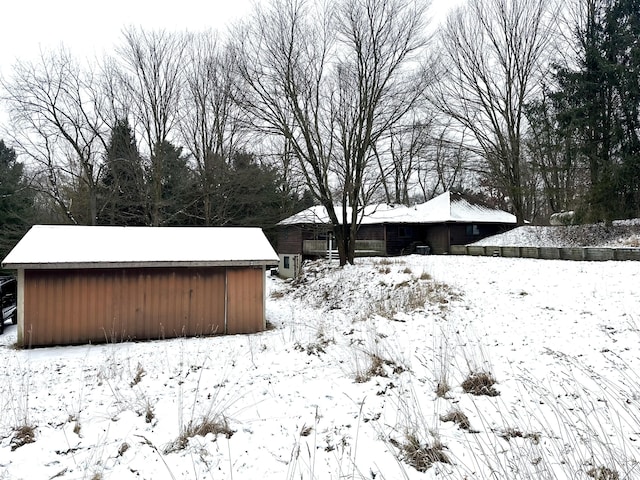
{"x": 16, "y": 200}
{"x": 599, "y": 105}
{"x": 122, "y": 187}
{"x": 172, "y": 187}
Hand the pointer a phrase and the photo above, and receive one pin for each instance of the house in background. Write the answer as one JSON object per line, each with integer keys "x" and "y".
{"x": 81, "y": 284}
{"x": 390, "y": 230}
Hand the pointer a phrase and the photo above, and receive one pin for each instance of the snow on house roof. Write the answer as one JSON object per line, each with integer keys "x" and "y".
{"x": 70, "y": 246}
{"x": 378, "y": 213}
{"x": 448, "y": 207}
{"x": 452, "y": 207}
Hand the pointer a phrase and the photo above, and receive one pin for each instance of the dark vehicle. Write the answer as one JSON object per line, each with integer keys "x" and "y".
{"x": 8, "y": 300}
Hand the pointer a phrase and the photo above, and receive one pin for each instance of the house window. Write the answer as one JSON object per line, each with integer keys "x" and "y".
{"x": 473, "y": 230}
{"x": 285, "y": 260}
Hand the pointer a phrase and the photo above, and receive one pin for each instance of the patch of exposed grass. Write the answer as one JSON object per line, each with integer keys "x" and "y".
{"x": 22, "y": 435}
{"x": 603, "y": 473}
{"x": 216, "y": 426}
{"x": 480, "y": 383}
{"x": 419, "y": 455}
{"x": 458, "y": 417}
{"x": 317, "y": 346}
{"x": 140, "y": 372}
{"x": 377, "y": 366}
{"x": 442, "y": 388}
{"x": 425, "y": 276}
{"x": 510, "y": 433}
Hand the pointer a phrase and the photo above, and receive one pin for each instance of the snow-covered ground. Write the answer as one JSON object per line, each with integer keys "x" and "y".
{"x": 344, "y": 384}
{"x": 620, "y": 234}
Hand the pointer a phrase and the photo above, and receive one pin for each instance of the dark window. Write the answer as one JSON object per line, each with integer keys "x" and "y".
{"x": 473, "y": 230}
{"x": 286, "y": 262}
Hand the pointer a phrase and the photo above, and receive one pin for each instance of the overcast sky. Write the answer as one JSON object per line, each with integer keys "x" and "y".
{"x": 87, "y": 27}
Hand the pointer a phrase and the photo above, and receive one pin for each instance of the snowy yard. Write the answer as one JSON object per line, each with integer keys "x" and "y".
{"x": 358, "y": 377}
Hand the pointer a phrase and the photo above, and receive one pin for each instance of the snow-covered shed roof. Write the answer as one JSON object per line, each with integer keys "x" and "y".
{"x": 448, "y": 207}
{"x": 70, "y": 246}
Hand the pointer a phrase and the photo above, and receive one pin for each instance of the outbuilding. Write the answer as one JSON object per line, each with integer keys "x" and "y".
{"x": 80, "y": 284}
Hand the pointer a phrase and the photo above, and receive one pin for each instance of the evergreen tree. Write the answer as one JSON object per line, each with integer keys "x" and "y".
{"x": 122, "y": 186}
{"x": 598, "y": 106}
{"x": 172, "y": 186}
{"x": 16, "y": 200}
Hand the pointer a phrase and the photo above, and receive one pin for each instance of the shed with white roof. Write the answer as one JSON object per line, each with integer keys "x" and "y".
{"x": 79, "y": 284}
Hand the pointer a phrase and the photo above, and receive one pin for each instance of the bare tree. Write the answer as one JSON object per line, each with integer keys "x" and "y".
{"x": 492, "y": 56}
{"x": 55, "y": 107}
{"x": 150, "y": 75}
{"x": 210, "y": 125}
{"x": 444, "y": 164}
{"x": 333, "y": 80}
{"x": 400, "y": 160}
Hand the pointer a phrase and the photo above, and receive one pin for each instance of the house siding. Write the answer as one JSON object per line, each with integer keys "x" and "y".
{"x": 110, "y": 305}
{"x": 438, "y": 238}
{"x": 290, "y": 239}
{"x": 459, "y": 234}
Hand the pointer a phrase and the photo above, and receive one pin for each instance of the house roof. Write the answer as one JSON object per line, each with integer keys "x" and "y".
{"x": 70, "y": 246}
{"x": 446, "y": 208}
{"x": 378, "y": 213}
{"x": 453, "y": 207}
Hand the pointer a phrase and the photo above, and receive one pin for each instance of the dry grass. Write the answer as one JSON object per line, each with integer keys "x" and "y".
{"x": 419, "y": 455}
{"x": 425, "y": 276}
{"x": 458, "y": 417}
{"x": 443, "y": 388}
{"x": 603, "y": 473}
{"x": 510, "y": 433}
{"x": 480, "y": 383}
{"x": 377, "y": 366}
{"x": 216, "y": 426}
{"x": 317, "y": 346}
{"x": 22, "y": 436}
{"x": 140, "y": 372}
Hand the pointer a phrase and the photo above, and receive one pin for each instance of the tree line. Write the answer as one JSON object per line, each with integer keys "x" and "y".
{"x": 530, "y": 103}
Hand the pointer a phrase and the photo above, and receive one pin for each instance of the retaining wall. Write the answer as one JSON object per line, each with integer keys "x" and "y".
{"x": 595, "y": 254}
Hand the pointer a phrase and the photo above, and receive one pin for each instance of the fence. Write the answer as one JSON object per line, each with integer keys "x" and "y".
{"x": 595, "y": 254}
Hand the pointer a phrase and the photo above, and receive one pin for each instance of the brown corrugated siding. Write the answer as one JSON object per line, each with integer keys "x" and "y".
{"x": 98, "y": 305}
{"x": 245, "y": 300}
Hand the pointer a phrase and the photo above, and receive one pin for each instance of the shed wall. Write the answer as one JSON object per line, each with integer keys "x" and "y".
{"x": 245, "y": 300}
{"x": 104, "y": 305}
